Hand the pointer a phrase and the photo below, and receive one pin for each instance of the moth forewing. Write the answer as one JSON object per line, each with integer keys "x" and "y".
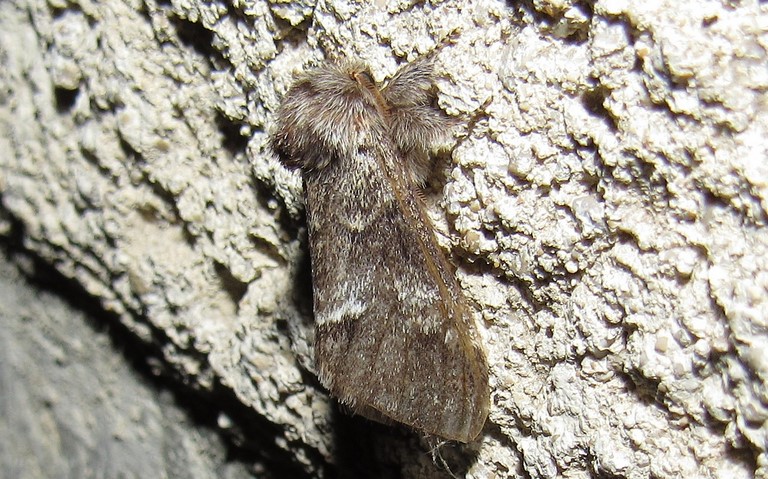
{"x": 394, "y": 336}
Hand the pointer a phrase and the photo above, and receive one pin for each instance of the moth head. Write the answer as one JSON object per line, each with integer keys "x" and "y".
{"x": 326, "y": 115}
{"x": 369, "y": 91}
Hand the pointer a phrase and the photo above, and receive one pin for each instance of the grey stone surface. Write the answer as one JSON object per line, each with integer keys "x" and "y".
{"x": 71, "y": 406}
{"x": 607, "y": 210}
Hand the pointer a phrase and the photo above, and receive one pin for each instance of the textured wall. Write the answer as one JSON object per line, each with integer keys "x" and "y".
{"x": 71, "y": 407}
{"x": 607, "y": 212}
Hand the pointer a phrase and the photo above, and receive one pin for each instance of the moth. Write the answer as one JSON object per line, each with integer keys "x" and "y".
{"x": 394, "y": 337}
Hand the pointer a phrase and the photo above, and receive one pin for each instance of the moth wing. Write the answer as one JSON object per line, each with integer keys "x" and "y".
{"x": 393, "y": 331}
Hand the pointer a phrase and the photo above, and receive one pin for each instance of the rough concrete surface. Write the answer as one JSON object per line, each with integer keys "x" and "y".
{"x": 605, "y": 202}
{"x": 73, "y": 408}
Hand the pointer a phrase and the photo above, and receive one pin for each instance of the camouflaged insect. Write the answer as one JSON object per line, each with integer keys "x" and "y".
{"x": 395, "y": 340}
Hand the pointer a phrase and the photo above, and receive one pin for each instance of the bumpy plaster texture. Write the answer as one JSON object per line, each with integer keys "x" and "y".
{"x": 605, "y": 203}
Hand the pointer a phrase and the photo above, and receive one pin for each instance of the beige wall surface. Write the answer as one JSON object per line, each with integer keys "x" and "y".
{"x": 604, "y": 199}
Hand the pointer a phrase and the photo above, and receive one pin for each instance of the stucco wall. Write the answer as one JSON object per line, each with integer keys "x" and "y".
{"x": 606, "y": 212}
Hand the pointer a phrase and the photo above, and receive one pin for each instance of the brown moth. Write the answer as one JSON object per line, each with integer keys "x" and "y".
{"x": 394, "y": 337}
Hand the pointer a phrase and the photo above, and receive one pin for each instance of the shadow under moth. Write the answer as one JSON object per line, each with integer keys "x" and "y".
{"x": 394, "y": 337}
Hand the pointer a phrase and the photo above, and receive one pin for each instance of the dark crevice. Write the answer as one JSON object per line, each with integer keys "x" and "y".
{"x": 195, "y": 36}
{"x": 302, "y": 286}
{"x": 234, "y": 141}
{"x": 264, "y": 191}
{"x": 65, "y": 99}
{"x": 235, "y": 288}
{"x": 594, "y": 101}
{"x": 548, "y": 21}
